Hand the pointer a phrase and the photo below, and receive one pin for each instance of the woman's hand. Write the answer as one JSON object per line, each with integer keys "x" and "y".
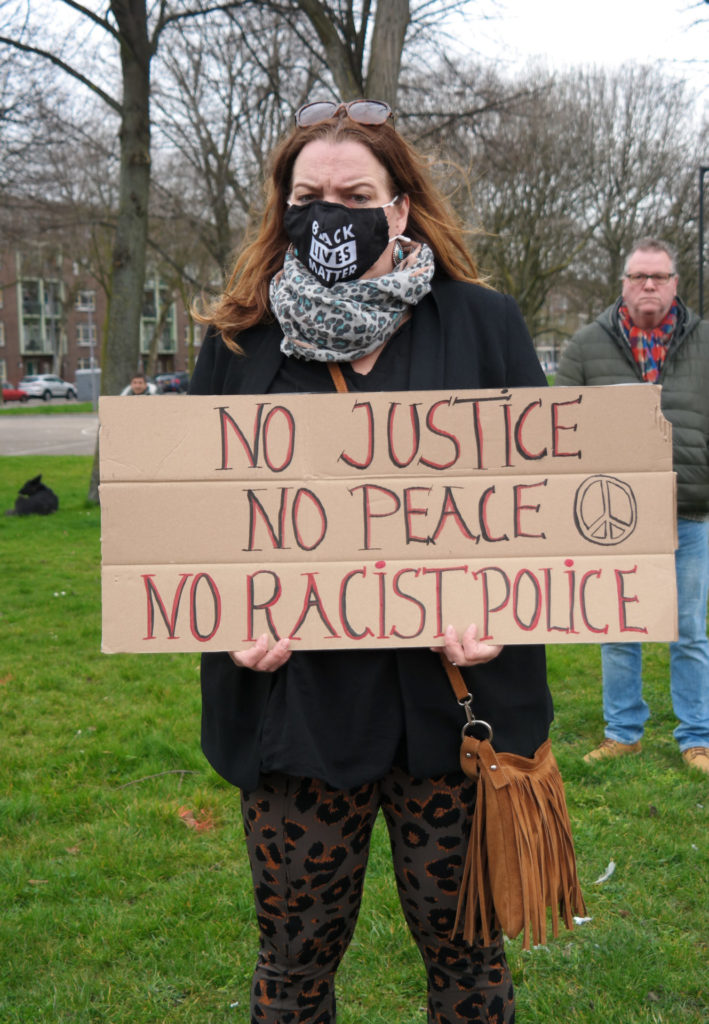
{"x": 259, "y": 658}
{"x": 468, "y": 650}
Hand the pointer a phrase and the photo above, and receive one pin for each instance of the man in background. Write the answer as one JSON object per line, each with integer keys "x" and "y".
{"x": 139, "y": 386}
{"x": 649, "y": 335}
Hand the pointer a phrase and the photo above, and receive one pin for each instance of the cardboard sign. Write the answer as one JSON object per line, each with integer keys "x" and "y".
{"x": 375, "y": 520}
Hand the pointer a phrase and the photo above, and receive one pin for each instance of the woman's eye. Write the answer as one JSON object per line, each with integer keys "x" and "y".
{"x": 357, "y": 199}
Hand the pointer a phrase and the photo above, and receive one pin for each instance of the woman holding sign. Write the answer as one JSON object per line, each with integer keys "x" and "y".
{"x": 359, "y": 263}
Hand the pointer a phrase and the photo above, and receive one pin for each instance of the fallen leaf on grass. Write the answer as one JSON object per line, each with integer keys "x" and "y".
{"x": 5, "y": 679}
{"x": 202, "y": 821}
{"x": 38, "y": 881}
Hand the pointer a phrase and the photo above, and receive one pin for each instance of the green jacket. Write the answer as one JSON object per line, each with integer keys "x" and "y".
{"x": 600, "y": 354}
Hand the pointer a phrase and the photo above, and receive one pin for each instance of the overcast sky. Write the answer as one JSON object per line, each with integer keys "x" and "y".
{"x": 569, "y": 33}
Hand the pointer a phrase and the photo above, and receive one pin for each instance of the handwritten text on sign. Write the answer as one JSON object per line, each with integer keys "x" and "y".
{"x": 377, "y": 519}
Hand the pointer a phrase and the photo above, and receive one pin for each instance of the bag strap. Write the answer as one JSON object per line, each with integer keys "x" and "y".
{"x": 455, "y": 678}
{"x": 338, "y": 377}
{"x": 465, "y": 699}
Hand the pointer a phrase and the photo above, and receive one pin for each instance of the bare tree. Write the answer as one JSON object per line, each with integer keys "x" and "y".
{"x": 642, "y": 152}
{"x": 515, "y": 174}
{"x": 363, "y": 43}
{"x": 562, "y": 182}
{"x": 222, "y": 100}
{"x": 127, "y": 28}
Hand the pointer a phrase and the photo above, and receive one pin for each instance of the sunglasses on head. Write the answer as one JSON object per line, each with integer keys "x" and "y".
{"x": 362, "y": 111}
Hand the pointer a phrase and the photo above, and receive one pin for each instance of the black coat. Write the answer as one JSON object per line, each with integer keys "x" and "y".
{"x": 462, "y": 336}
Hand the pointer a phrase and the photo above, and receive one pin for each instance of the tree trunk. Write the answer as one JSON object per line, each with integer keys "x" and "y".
{"x": 122, "y": 348}
{"x": 339, "y": 53}
{"x": 128, "y": 270}
{"x": 390, "y": 24}
{"x": 344, "y": 49}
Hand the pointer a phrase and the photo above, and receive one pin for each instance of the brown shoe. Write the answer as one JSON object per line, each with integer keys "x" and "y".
{"x": 612, "y": 748}
{"x": 697, "y": 757}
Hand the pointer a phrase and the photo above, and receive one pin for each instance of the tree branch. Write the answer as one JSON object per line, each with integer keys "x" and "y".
{"x": 25, "y": 48}
{"x": 92, "y": 16}
{"x": 198, "y": 12}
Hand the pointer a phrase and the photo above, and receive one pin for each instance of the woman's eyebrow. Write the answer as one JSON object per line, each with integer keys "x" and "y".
{"x": 343, "y": 186}
{"x": 358, "y": 183}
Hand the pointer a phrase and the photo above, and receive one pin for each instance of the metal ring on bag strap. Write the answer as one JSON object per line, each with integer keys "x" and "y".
{"x": 467, "y": 704}
{"x": 464, "y": 698}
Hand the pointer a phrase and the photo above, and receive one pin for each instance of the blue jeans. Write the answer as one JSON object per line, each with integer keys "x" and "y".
{"x": 624, "y": 709}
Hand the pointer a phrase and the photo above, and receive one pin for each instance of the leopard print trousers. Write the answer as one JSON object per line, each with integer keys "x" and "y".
{"x": 308, "y": 845}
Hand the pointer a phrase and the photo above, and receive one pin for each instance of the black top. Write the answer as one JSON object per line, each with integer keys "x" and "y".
{"x": 348, "y": 716}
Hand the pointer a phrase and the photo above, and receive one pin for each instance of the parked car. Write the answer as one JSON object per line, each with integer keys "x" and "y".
{"x": 10, "y": 394}
{"x": 176, "y": 382}
{"x": 46, "y": 386}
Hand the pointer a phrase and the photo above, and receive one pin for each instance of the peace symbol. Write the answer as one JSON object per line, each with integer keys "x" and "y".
{"x": 605, "y": 510}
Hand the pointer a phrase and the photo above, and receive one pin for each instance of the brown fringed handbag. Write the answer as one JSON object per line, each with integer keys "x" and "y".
{"x": 520, "y": 857}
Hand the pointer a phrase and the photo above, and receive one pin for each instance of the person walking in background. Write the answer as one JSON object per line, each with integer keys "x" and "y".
{"x": 649, "y": 335}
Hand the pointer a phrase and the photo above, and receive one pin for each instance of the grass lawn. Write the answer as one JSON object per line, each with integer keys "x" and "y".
{"x": 124, "y": 885}
{"x": 15, "y": 409}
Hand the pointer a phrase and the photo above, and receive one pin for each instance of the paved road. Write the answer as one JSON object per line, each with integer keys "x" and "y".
{"x": 68, "y": 434}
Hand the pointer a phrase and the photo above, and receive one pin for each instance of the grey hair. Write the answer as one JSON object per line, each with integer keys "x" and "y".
{"x": 649, "y": 244}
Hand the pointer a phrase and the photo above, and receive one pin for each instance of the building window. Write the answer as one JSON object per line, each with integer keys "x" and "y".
{"x": 32, "y": 339}
{"x": 86, "y": 334}
{"x": 149, "y": 304}
{"x": 85, "y": 363}
{"x": 2, "y": 334}
{"x": 31, "y": 304}
{"x": 85, "y": 301}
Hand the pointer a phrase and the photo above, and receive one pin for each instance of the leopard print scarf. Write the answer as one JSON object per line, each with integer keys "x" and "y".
{"x": 352, "y": 318}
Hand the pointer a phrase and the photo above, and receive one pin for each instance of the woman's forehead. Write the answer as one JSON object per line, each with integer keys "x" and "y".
{"x": 344, "y": 162}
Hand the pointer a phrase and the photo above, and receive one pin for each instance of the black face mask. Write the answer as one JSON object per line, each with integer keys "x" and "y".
{"x": 334, "y": 242}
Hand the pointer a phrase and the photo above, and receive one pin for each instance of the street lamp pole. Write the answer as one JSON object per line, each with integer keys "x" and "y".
{"x": 91, "y": 358}
{"x": 702, "y": 172}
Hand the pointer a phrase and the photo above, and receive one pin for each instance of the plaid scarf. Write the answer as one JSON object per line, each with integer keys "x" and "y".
{"x": 649, "y": 347}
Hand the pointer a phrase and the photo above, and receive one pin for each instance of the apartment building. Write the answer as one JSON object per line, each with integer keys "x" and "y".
{"x": 53, "y": 314}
